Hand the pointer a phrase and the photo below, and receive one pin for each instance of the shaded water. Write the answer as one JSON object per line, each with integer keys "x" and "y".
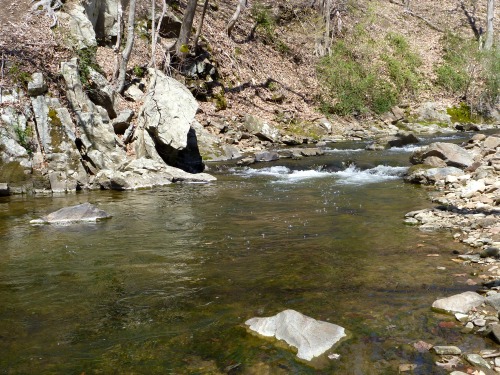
{"x": 166, "y": 285}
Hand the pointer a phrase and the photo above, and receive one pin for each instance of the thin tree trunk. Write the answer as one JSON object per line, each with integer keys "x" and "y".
{"x": 230, "y": 25}
{"x": 153, "y": 34}
{"x": 198, "y": 32}
{"x": 488, "y": 43}
{"x": 128, "y": 47}
{"x": 116, "y": 48}
{"x": 187, "y": 24}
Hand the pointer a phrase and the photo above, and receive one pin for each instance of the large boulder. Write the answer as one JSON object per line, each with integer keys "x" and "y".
{"x": 145, "y": 173}
{"x": 311, "y": 337}
{"x": 85, "y": 212}
{"x": 458, "y": 303}
{"x": 452, "y": 154}
{"x": 261, "y": 129}
{"x": 168, "y": 115}
{"x": 103, "y": 15}
{"x": 81, "y": 30}
{"x": 433, "y": 113}
{"x": 427, "y": 176}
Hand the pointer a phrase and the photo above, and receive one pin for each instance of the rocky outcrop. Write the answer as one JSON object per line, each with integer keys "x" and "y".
{"x": 452, "y": 154}
{"x": 85, "y": 212}
{"x": 311, "y": 337}
{"x": 168, "y": 116}
{"x": 103, "y": 15}
{"x": 81, "y": 31}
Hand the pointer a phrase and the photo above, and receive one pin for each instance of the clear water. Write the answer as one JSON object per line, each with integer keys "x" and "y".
{"x": 166, "y": 285}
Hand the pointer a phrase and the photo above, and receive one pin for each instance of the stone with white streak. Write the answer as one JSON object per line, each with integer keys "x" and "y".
{"x": 458, "y": 303}
{"x": 311, "y": 337}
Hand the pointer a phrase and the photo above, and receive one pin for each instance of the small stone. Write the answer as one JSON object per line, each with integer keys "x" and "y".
{"x": 462, "y": 317}
{"x": 447, "y": 350}
{"x": 479, "y": 322}
{"x": 407, "y": 367}
{"x": 477, "y": 360}
{"x": 468, "y": 328}
{"x": 37, "y": 85}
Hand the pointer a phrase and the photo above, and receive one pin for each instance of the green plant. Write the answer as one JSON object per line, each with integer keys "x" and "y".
{"x": 24, "y": 138}
{"x": 355, "y": 84}
{"x": 86, "y": 61}
{"x": 491, "y": 75}
{"x": 220, "y": 100}
{"x": 266, "y": 22}
{"x": 19, "y": 76}
{"x": 139, "y": 71}
{"x": 453, "y": 74}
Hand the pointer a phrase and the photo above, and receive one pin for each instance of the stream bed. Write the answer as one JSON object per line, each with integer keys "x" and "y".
{"x": 165, "y": 286}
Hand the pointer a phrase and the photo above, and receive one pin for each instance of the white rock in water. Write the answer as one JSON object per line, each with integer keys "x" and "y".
{"x": 459, "y": 303}
{"x": 310, "y": 336}
{"x": 83, "y": 212}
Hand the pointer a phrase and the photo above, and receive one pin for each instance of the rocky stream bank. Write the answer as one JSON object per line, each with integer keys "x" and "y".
{"x": 466, "y": 185}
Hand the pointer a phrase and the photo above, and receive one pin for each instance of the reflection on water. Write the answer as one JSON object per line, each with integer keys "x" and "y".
{"x": 166, "y": 284}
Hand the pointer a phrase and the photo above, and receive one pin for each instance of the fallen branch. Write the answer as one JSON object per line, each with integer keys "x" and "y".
{"x": 46, "y": 6}
{"x": 408, "y": 11}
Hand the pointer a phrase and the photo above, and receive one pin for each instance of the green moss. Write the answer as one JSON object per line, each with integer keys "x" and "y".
{"x": 220, "y": 101}
{"x": 54, "y": 117}
{"x": 19, "y": 76}
{"x": 460, "y": 113}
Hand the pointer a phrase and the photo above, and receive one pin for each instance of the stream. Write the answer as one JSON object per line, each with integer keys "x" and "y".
{"x": 165, "y": 286}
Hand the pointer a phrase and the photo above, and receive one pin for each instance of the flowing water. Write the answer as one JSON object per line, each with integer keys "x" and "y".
{"x": 166, "y": 285}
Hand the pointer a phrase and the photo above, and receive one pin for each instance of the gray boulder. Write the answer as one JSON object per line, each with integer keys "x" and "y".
{"x": 101, "y": 92}
{"x": 311, "y": 337}
{"x": 37, "y": 85}
{"x": 402, "y": 139}
{"x": 85, "y": 212}
{"x": 145, "y": 173}
{"x": 261, "y": 129}
{"x": 266, "y": 156}
{"x": 80, "y": 28}
{"x": 433, "y": 113}
{"x": 122, "y": 122}
{"x": 168, "y": 115}
{"x": 103, "y": 15}
{"x": 427, "y": 176}
{"x": 452, "y": 154}
{"x": 459, "y": 303}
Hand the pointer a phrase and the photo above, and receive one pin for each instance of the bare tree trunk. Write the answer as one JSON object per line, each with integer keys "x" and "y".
{"x": 128, "y": 47}
{"x": 198, "y": 32}
{"x": 153, "y": 34}
{"x": 185, "y": 33}
{"x": 155, "y": 39}
{"x": 488, "y": 43}
{"x": 407, "y": 5}
{"x": 116, "y": 48}
{"x": 242, "y": 4}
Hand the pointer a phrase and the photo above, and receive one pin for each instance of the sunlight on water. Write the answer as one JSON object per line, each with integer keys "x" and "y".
{"x": 165, "y": 286}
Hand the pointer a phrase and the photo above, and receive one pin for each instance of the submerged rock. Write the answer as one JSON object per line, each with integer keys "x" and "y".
{"x": 84, "y": 212}
{"x": 311, "y": 337}
{"x": 459, "y": 303}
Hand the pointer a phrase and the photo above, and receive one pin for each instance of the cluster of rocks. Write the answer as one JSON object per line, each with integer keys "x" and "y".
{"x": 48, "y": 147}
{"x": 467, "y": 185}
{"x": 478, "y": 314}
